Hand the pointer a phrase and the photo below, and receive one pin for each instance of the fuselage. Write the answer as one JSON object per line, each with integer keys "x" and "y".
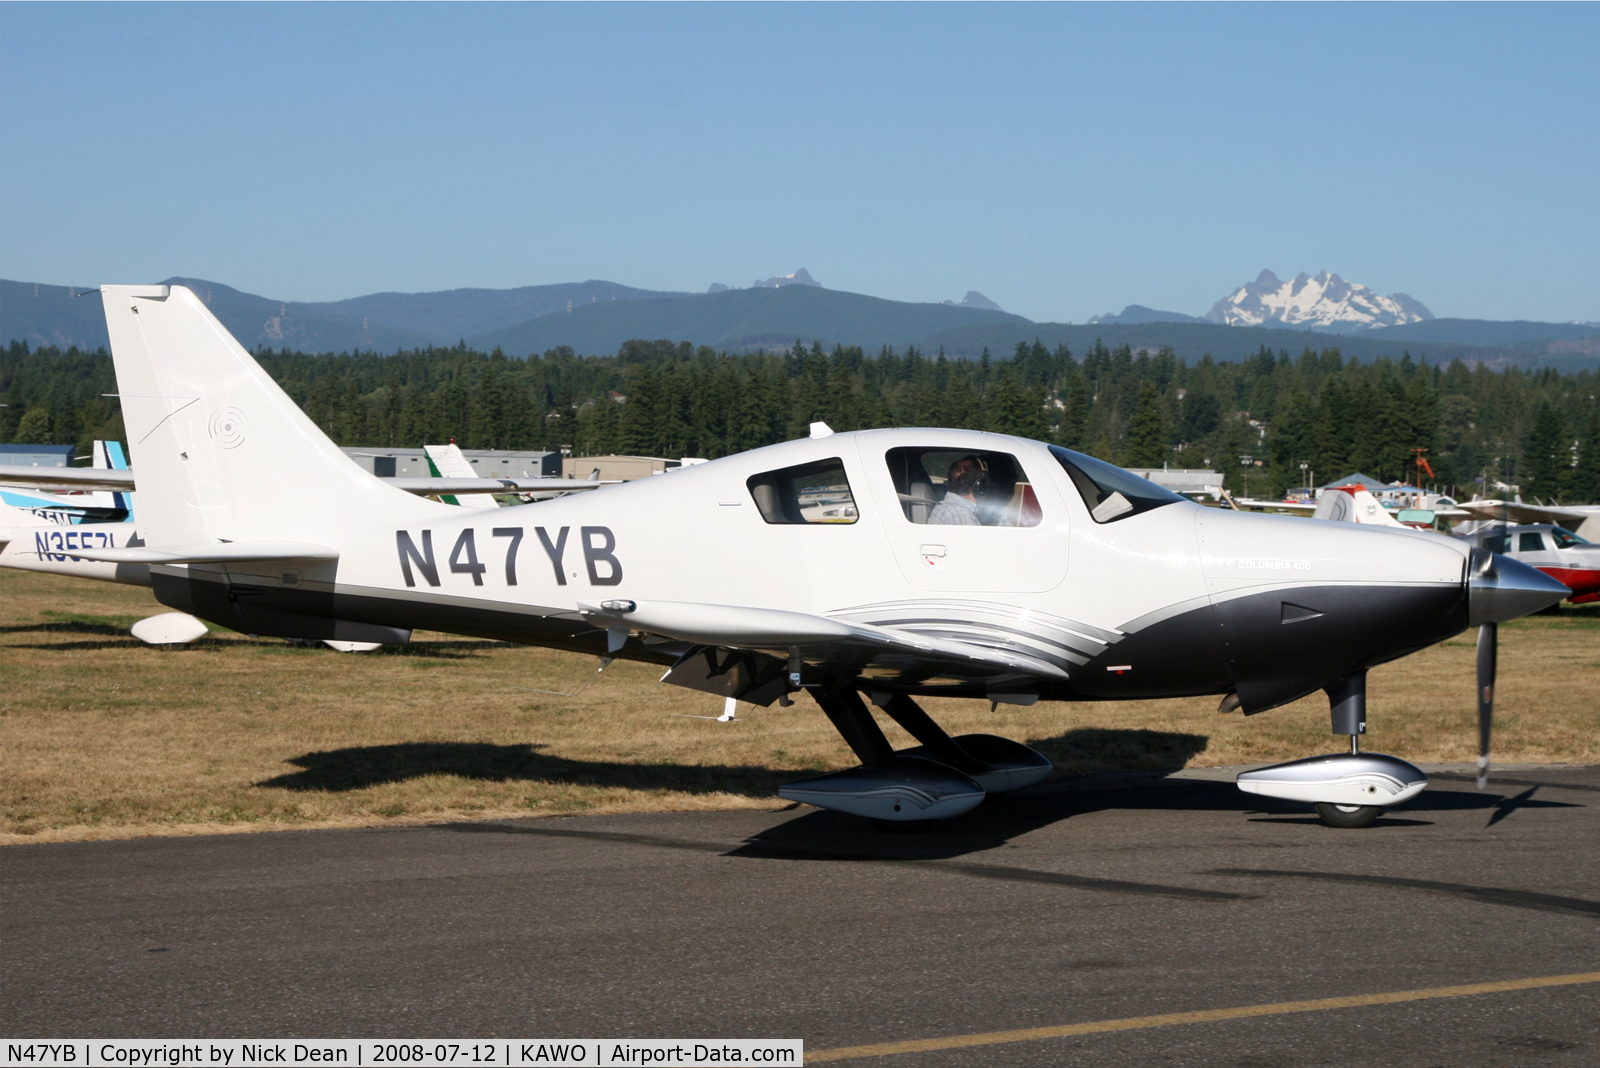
{"x": 1165, "y": 599}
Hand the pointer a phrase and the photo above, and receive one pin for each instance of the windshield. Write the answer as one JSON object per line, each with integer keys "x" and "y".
{"x": 1565, "y": 539}
{"x": 1110, "y": 493}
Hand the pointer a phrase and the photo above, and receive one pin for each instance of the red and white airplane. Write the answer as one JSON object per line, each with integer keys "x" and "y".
{"x": 1564, "y": 556}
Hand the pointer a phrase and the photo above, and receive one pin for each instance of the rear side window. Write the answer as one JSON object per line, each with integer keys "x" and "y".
{"x": 962, "y": 487}
{"x": 810, "y": 493}
{"x": 1110, "y": 493}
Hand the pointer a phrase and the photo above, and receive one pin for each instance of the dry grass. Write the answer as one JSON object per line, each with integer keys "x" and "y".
{"x": 102, "y": 737}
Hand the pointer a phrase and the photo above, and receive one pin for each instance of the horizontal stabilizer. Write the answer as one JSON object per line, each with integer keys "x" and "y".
{"x": 222, "y": 552}
{"x": 67, "y": 479}
{"x": 490, "y": 485}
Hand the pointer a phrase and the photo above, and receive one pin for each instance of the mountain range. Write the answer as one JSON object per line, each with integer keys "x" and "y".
{"x": 596, "y": 317}
{"x": 1324, "y": 302}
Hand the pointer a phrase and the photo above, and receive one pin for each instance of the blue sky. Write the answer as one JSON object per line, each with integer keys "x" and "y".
{"x": 1063, "y": 160}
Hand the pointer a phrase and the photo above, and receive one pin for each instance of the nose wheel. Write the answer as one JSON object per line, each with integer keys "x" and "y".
{"x": 1348, "y": 816}
{"x": 1351, "y": 816}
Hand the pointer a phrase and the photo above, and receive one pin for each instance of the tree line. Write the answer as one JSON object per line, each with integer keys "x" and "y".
{"x": 1257, "y": 421}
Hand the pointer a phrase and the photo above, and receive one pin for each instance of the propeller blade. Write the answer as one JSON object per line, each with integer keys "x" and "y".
{"x": 1488, "y": 651}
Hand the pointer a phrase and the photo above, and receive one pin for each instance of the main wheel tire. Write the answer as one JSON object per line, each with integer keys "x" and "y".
{"x": 1347, "y": 815}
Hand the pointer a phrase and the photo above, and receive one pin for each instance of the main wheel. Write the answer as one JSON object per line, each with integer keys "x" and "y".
{"x": 1347, "y": 815}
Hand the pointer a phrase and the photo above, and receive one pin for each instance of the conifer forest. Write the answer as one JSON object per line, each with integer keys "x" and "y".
{"x": 1257, "y": 421}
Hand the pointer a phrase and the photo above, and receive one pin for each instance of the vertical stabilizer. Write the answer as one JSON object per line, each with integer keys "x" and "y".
{"x": 222, "y": 453}
{"x": 1353, "y": 504}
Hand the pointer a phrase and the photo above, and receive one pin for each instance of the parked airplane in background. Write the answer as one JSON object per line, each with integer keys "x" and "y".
{"x": 899, "y": 564}
{"x": 1564, "y": 556}
{"x": 91, "y": 508}
{"x": 1582, "y": 519}
{"x": 1355, "y": 504}
{"x": 43, "y": 531}
{"x": 74, "y": 502}
{"x": 446, "y": 461}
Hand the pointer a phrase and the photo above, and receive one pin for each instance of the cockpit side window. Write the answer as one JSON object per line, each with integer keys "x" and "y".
{"x": 809, "y": 493}
{"x": 1110, "y": 493}
{"x": 1530, "y": 541}
{"x": 942, "y": 486}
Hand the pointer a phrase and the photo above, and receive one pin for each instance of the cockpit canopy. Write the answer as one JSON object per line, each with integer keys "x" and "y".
{"x": 1109, "y": 492}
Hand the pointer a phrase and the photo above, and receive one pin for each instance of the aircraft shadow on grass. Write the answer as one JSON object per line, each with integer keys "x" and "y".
{"x": 115, "y": 637}
{"x": 340, "y": 770}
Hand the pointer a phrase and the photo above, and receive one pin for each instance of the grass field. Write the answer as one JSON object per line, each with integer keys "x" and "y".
{"x": 103, "y": 737}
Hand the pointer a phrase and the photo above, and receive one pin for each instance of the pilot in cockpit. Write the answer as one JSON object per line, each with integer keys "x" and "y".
{"x": 966, "y": 486}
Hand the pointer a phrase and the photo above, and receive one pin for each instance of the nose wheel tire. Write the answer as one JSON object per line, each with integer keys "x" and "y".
{"x": 1347, "y": 815}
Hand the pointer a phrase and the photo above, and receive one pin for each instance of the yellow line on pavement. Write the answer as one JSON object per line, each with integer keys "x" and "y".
{"x": 1136, "y": 1023}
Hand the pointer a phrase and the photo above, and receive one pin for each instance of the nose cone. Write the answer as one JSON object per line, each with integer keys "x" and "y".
{"x": 1502, "y": 589}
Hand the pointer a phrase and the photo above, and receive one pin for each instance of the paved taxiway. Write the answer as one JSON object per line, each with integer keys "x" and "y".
{"x": 1114, "y": 898}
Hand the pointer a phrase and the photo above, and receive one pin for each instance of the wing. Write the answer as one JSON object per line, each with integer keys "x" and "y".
{"x": 745, "y": 652}
{"x": 1287, "y": 506}
{"x": 1517, "y": 512}
{"x": 65, "y": 479}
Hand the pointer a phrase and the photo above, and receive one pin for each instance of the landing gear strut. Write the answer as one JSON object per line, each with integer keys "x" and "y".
{"x": 1347, "y": 706}
{"x": 941, "y": 778}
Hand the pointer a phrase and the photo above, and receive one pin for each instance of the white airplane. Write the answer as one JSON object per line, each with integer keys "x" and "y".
{"x": 899, "y": 564}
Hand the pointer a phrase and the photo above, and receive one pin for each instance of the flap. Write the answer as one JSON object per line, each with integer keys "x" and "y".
{"x": 719, "y": 624}
{"x": 738, "y": 627}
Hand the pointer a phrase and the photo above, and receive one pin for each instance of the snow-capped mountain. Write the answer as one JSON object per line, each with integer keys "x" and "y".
{"x": 1326, "y": 302}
